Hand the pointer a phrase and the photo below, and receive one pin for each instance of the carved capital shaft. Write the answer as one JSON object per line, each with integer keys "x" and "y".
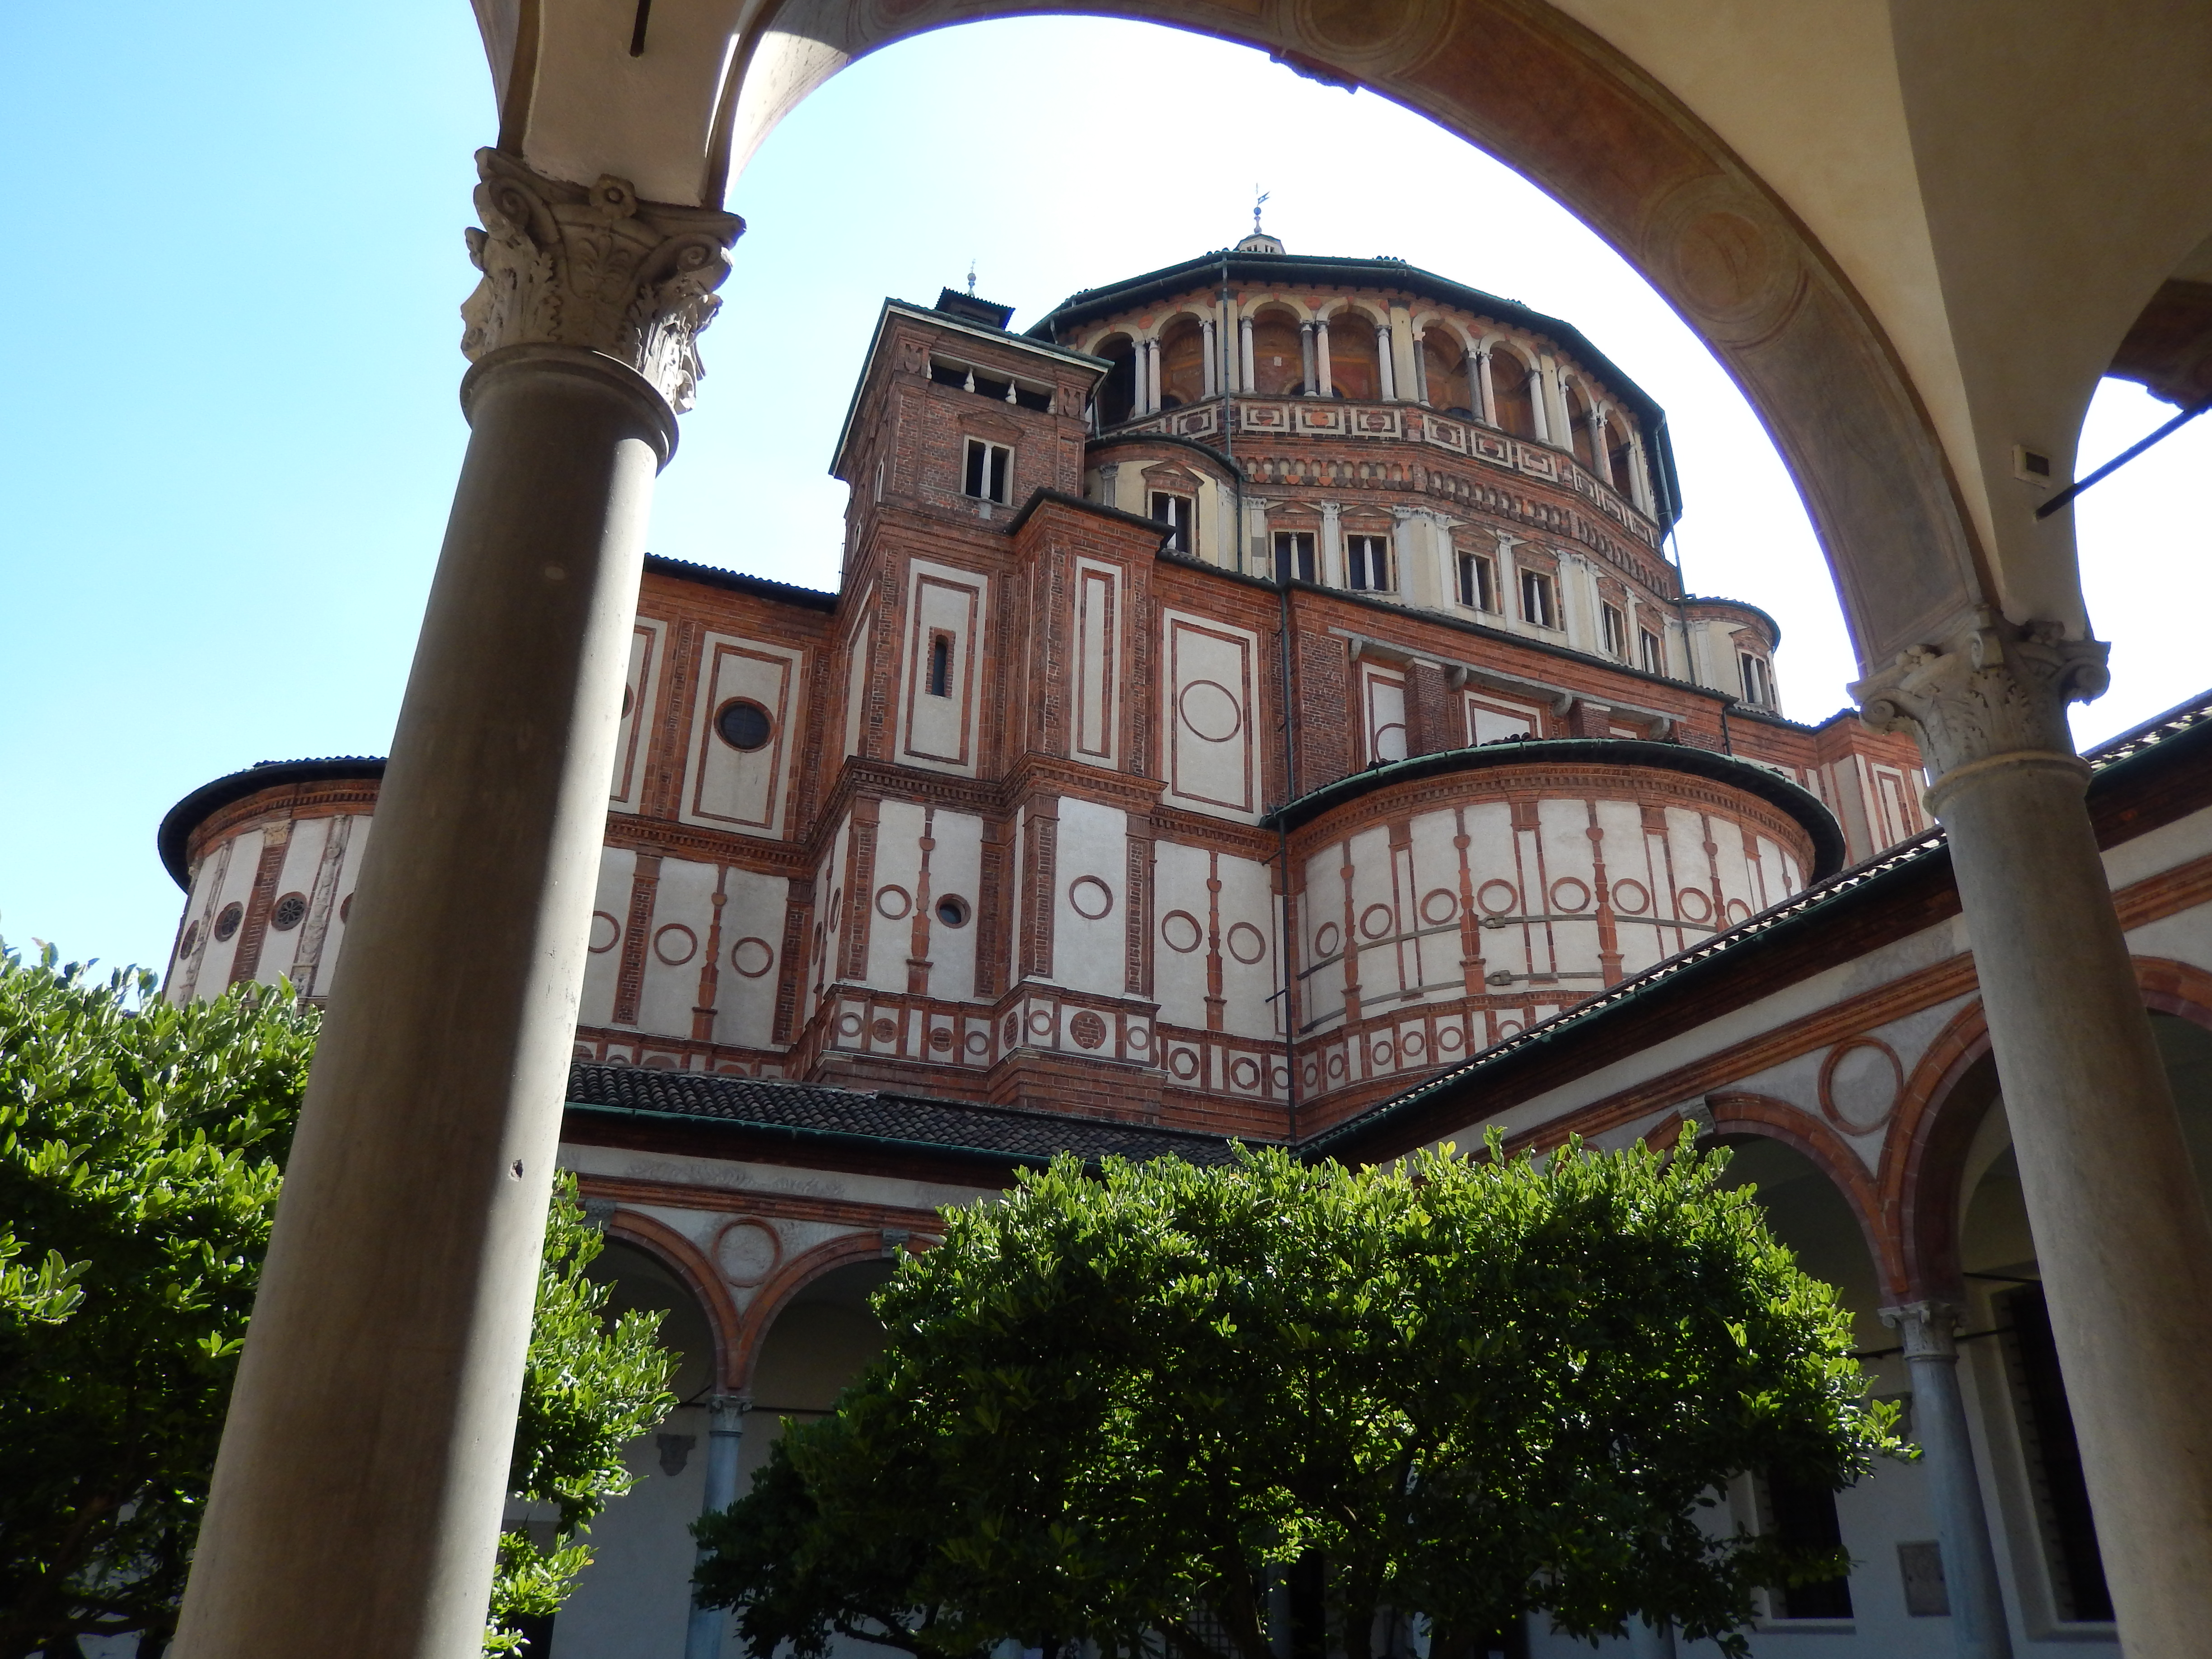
{"x": 593, "y": 267}
{"x": 1929, "y": 1329}
{"x": 2000, "y": 689}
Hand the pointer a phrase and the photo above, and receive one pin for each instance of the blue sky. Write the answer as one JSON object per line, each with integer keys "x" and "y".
{"x": 229, "y": 432}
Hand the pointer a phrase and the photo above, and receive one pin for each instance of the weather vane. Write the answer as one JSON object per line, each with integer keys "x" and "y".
{"x": 1260, "y": 201}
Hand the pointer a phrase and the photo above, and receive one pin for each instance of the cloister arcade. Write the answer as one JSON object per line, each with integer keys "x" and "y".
{"x": 1914, "y": 235}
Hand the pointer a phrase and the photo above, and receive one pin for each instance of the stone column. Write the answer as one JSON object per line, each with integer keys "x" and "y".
{"x": 1245, "y": 383}
{"x": 1485, "y": 393}
{"x": 1206, "y": 357}
{"x": 726, "y": 1428}
{"x": 1386, "y": 367}
{"x": 2122, "y": 1238}
{"x": 1324, "y": 382}
{"x": 1306, "y": 350}
{"x": 1334, "y": 573}
{"x": 357, "y": 1499}
{"x": 1962, "y": 1526}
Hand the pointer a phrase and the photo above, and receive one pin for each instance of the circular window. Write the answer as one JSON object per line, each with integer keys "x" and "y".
{"x": 191, "y": 941}
{"x": 744, "y": 724}
{"x": 952, "y": 912}
{"x": 291, "y": 910}
{"x": 226, "y": 923}
{"x": 345, "y": 908}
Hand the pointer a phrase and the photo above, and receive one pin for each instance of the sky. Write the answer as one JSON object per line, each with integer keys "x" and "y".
{"x": 229, "y": 425}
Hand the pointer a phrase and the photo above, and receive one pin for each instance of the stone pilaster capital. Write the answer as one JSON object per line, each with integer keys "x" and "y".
{"x": 593, "y": 267}
{"x": 1331, "y": 512}
{"x": 1929, "y": 1329}
{"x": 1999, "y": 690}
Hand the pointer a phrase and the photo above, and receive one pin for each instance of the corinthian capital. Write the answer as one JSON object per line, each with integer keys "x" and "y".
{"x": 1928, "y": 1330}
{"x": 2000, "y": 689}
{"x": 592, "y": 266}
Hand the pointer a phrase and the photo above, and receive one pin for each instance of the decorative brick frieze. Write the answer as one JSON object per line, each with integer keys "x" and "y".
{"x": 859, "y": 888}
{"x": 629, "y": 977}
{"x": 276, "y": 843}
{"x": 1040, "y": 837}
{"x": 791, "y": 959}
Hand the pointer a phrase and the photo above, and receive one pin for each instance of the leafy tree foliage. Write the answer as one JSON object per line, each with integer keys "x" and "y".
{"x": 1134, "y": 1401}
{"x": 142, "y": 1151}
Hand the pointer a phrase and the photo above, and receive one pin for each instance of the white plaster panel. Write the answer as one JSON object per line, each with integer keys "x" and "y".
{"x": 1097, "y": 662}
{"x": 303, "y": 858}
{"x": 940, "y": 732}
{"x": 236, "y": 888}
{"x": 1434, "y": 899}
{"x": 744, "y": 792}
{"x": 1385, "y": 697}
{"x": 1091, "y": 865}
{"x": 2158, "y": 849}
{"x": 340, "y": 918}
{"x": 648, "y": 644}
{"x": 1180, "y": 901}
{"x": 956, "y": 871}
{"x": 829, "y": 911}
{"x": 1212, "y": 756}
{"x": 1490, "y": 718}
{"x": 1374, "y": 921}
{"x": 1250, "y": 948}
{"x": 610, "y": 917}
{"x": 897, "y": 880}
{"x": 752, "y": 944}
{"x": 856, "y": 684}
{"x": 676, "y": 946}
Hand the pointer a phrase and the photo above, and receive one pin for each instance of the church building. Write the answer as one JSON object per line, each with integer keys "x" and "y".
{"x": 1259, "y": 702}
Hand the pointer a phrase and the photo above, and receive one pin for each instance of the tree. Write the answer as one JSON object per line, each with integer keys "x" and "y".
{"x": 1124, "y": 1406}
{"x": 142, "y": 1151}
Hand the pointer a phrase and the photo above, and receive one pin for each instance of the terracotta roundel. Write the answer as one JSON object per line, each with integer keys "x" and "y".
{"x": 1569, "y": 894}
{"x": 1244, "y": 1072}
{"x": 606, "y": 932}
{"x": 884, "y": 1031}
{"x": 894, "y": 903}
{"x": 1377, "y": 919}
{"x": 1183, "y": 1062}
{"x": 1179, "y": 931}
{"x": 1327, "y": 938}
{"x": 1090, "y": 897}
{"x": 1210, "y": 711}
{"x": 675, "y": 944}
{"x": 1860, "y": 1083}
{"x": 1245, "y": 943}
{"x": 1631, "y": 898}
{"x": 1695, "y": 904}
{"x": 747, "y": 1252}
{"x": 1499, "y": 898}
{"x": 752, "y": 956}
{"x": 1138, "y": 1039}
{"x": 1439, "y": 906}
{"x": 940, "y": 1036}
{"x": 1088, "y": 1030}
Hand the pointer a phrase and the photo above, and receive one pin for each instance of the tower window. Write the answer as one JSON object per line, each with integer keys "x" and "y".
{"x": 1294, "y": 555}
{"x": 1655, "y": 661}
{"x": 1758, "y": 683}
{"x": 1615, "y": 629}
{"x": 1179, "y": 511}
{"x": 940, "y": 663}
{"x": 989, "y": 471}
{"x": 1478, "y": 582}
{"x": 1369, "y": 559}
{"x": 1538, "y": 605}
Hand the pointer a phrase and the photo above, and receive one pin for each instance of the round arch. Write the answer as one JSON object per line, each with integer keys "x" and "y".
{"x": 680, "y": 1257}
{"x": 1764, "y": 1116}
{"x": 783, "y": 1285}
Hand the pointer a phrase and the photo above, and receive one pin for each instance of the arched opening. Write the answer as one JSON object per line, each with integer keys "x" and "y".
{"x": 1513, "y": 394}
{"x": 1182, "y": 363}
{"x": 633, "y": 1597}
{"x": 1620, "y": 457}
{"x": 1806, "y": 1212}
{"x": 1278, "y": 354}
{"x": 1117, "y": 392}
{"x": 1444, "y": 366}
{"x": 1354, "y": 364}
{"x": 821, "y": 1340}
{"x": 1578, "y": 427}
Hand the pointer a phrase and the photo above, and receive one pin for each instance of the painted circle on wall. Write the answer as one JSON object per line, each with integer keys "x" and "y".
{"x": 606, "y": 932}
{"x": 1413, "y": 1045}
{"x": 1570, "y": 894}
{"x": 747, "y": 1252}
{"x": 1327, "y": 938}
{"x": 1087, "y": 1029}
{"x": 1860, "y": 1082}
{"x": 752, "y": 956}
{"x": 1380, "y": 1054}
{"x": 1499, "y": 898}
{"x": 226, "y": 922}
{"x": 1738, "y": 912}
{"x": 1692, "y": 904}
{"x": 1631, "y": 898}
{"x": 288, "y": 912}
{"x": 1183, "y": 1062}
{"x": 1244, "y": 1072}
{"x": 1439, "y": 907}
{"x": 1179, "y": 931}
{"x": 1210, "y": 711}
{"x": 1245, "y": 943}
{"x": 675, "y": 944}
{"x": 893, "y": 902}
{"x": 1450, "y": 1039}
{"x": 1377, "y": 920}
{"x": 1090, "y": 897}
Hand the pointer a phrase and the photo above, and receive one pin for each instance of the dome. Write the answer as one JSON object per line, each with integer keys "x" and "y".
{"x": 1260, "y": 242}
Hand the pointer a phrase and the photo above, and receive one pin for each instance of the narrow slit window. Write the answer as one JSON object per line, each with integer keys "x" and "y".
{"x": 1655, "y": 660}
{"x": 1615, "y": 627}
{"x": 1294, "y": 555}
{"x": 1758, "y": 685}
{"x": 940, "y": 664}
{"x": 1478, "y": 582}
{"x": 1369, "y": 559}
{"x": 989, "y": 471}
{"x": 1537, "y": 604}
{"x": 1178, "y": 511}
